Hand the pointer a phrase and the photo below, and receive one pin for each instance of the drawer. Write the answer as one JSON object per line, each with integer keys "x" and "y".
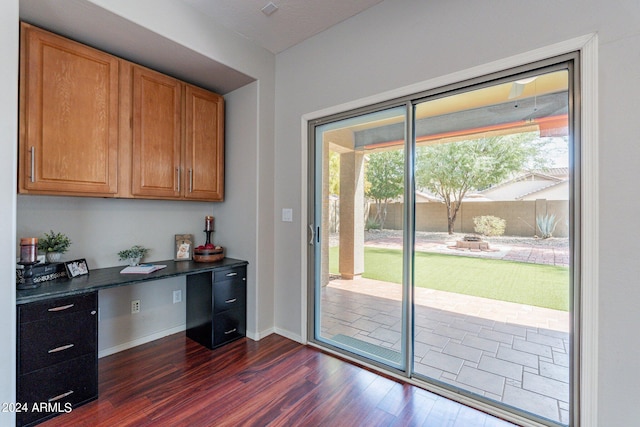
{"x": 239, "y": 273}
{"x": 228, "y": 295}
{"x": 45, "y": 342}
{"x": 72, "y": 382}
{"x": 54, "y": 309}
{"x": 228, "y": 326}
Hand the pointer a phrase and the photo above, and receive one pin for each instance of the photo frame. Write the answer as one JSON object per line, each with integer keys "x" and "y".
{"x": 76, "y": 268}
{"x": 183, "y": 249}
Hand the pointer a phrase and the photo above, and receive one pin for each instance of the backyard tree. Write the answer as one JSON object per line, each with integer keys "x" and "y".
{"x": 451, "y": 170}
{"x": 334, "y": 173}
{"x": 384, "y": 176}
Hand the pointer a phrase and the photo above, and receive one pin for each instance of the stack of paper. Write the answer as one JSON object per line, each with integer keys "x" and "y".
{"x": 142, "y": 269}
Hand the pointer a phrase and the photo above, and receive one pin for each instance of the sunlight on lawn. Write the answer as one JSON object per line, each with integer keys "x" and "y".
{"x": 525, "y": 283}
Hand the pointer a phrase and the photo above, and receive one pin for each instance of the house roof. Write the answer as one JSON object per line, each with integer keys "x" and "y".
{"x": 564, "y": 172}
{"x": 527, "y": 184}
{"x": 544, "y": 189}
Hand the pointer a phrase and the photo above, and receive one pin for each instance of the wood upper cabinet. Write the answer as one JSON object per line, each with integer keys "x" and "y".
{"x": 68, "y": 117}
{"x": 92, "y": 124}
{"x": 156, "y": 135}
{"x": 178, "y": 139}
{"x": 204, "y": 144}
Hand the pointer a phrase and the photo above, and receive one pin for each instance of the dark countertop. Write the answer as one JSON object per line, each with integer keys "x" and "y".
{"x": 110, "y": 277}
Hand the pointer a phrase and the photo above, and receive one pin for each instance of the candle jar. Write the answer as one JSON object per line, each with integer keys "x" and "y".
{"x": 208, "y": 223}
{"x": 29, "y": 249}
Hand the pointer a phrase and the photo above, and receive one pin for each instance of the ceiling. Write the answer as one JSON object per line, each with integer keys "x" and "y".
{"x": 293, "y": 22}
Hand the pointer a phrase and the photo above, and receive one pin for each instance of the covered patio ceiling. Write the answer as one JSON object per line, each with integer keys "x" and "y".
{"x": 534, "y": 104}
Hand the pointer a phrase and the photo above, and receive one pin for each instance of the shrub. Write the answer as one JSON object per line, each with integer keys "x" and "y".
{"x": 372, "y": 225}
{"x": 547, "y": 225}
{"x": 488, "y": 225}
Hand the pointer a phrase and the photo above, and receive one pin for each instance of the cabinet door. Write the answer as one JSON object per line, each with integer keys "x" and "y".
{"x": 204, "y": 145}
{"x": 68, "y": 117}
{"x": 156, "y": 160}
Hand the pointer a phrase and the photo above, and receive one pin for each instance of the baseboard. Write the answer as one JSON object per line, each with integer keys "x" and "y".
{"x": 257, "y": 336}
{"x": 142, "y": 340}
{"x": 290, "y": 335}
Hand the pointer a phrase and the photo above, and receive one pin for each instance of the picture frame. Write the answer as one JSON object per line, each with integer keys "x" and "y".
{"x": 76, "y": 268}
{"x": 183, "y": 247}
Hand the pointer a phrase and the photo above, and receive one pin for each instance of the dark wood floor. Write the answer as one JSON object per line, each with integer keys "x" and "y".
{"x": 278, "y": 382}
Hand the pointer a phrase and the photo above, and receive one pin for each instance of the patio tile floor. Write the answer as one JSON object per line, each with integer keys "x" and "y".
{"x": 507, "y": 352}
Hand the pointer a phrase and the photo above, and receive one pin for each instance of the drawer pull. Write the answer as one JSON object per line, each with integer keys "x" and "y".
{"x": 231, "y": 331}
{"x": 61, "y": 396}
{"x": 61, "y": 348}
{"x": 61, "y": 308}
{"x": 231, "y": 274}
{"x": 229, "y": 301}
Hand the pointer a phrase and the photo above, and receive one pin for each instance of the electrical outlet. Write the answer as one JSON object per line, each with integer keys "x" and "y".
{"x": 177, "y": 296}
{"x": 135, "y": 306}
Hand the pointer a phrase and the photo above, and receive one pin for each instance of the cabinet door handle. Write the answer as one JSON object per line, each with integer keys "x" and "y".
{"x": 190, "y": 180}
{"x": 61, "y": 348}
{"x": 231, "y": 274}
{"x": 61, "y": 396}
{"x": 32, "y": 175}
{"x": 61, "y": 308}
{"x": 231, "y": 331}
{"x": 229, "y": 301}
{"x": 178, "y": 173}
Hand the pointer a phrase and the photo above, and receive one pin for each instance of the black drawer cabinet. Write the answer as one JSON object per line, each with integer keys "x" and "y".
{"x": 216, "y": 306}
{"x": 57, "y": 356}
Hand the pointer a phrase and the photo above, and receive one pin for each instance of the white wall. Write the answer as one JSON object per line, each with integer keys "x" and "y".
{"x": 403, "y": 42}
{"x": 8, "y": 164}
{"x": 100, "y": 228}
{"x": 119, "y": 330}
{"x": 245, "y": 206}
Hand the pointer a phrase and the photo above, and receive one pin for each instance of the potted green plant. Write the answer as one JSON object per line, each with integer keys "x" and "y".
{"x": 133, "y": 255}
{"x": 54, "y": 245}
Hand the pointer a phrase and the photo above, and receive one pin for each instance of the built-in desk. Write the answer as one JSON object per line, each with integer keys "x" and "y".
{"x": 57, "y": 329}
{"x": 111, "y": 277}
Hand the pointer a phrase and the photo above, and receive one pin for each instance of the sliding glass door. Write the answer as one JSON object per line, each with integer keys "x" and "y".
{"x": 443, "y": 239}
{"x": 492, "y": 284}
{"x": 359, "y": 182}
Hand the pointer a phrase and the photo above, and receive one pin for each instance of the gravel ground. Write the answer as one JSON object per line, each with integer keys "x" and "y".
{"x": 373, "y": 235}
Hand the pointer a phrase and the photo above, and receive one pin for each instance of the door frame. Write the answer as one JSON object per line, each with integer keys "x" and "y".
{"x": 585, "y": 359}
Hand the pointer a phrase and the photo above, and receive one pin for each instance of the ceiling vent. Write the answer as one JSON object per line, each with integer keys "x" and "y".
{"x": 269, "y": 9}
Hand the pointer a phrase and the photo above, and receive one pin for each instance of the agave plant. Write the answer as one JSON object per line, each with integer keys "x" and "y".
{"x": 547, "y": 225}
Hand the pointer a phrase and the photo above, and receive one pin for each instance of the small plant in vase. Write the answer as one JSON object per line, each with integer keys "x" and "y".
{"x": 133, "y": 255}
{"x": 54, "y": 245}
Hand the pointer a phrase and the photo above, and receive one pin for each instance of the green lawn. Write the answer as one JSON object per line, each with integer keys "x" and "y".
{"x": 524, "y": 283}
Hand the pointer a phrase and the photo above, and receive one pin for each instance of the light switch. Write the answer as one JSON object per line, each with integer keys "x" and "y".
{"x": 287, "y": 215}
